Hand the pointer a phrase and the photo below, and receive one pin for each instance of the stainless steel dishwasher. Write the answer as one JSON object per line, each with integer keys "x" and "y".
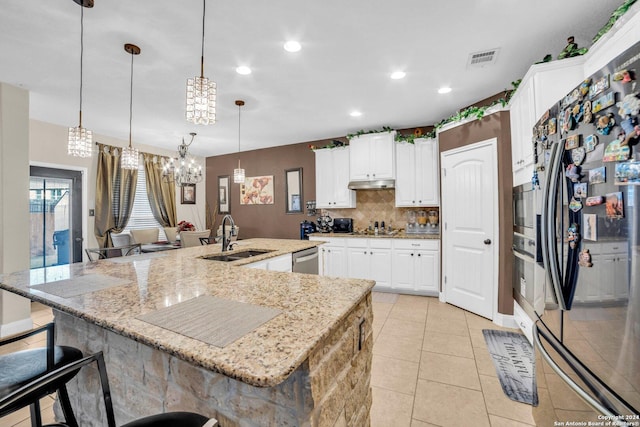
{"x": 305, "y": 261}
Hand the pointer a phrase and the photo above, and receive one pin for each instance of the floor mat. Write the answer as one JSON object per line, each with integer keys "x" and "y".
{"x": 514, "y": 360}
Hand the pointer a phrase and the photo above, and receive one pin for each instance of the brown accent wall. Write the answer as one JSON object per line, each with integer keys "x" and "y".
{"x": 263, "y": 220}
{"x": 496, "y": 125}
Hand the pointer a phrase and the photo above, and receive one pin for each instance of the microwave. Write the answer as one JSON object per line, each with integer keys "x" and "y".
{"x": 343, "y": 225}
{"x": 524, "y": 215}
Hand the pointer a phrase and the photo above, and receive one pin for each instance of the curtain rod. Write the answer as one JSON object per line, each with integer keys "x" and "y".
{"x": 141, "y": 152}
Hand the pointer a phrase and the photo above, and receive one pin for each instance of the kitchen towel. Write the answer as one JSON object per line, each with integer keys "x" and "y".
{"x": 210, "y": 319}
{"x": 514, "y": 360}
{"x": 80, "y": 285}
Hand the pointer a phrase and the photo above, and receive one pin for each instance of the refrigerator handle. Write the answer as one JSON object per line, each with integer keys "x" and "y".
{"x": 549, "y": 223}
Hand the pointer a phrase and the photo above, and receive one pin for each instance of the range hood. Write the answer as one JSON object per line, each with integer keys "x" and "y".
{"x": 379, "y": 184}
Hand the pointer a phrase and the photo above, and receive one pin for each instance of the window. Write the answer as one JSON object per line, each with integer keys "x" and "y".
{"x": 141, "y": 215}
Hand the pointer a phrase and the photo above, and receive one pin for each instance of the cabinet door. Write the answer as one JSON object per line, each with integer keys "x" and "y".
{"x": 325, "y": 180}
{"x": 382, "y": 156}
{"x": 381, "y": 270}
{"x": 406, "y": 174}
{"x": 427, "y": 272}
{"x": 403, "y": 269}
{"x": 335, "y": 263}
{"x": 427, "y": 172}
{"x": 358, "y": 261}
{"x": 342, "y": 196}
{"x": 359, "y": 158}
{"x": 621, "y": 287}
{"x": 605, "y": 289}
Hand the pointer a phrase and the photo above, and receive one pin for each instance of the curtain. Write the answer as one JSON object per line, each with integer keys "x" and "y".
{"x": 161, "y": 192}
{"x": 115, "y": 193}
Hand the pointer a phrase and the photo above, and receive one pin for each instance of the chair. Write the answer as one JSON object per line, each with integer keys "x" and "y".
{"x": 145, "y": 235}
{"x": 192, "y": 238}
{"x": 121, "y": 239}
{"x": 182, "y": 419}
{"x": 171, "y": 233}
{"x": 19, "y": 368}
{"x": 233, "y": 238}
{"x": 94, "y": 254}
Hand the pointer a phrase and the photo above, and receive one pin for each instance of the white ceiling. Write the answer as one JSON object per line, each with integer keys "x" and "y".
{"x": 349, "y": 49}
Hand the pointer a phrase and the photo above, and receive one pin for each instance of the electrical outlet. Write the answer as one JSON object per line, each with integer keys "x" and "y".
{"x": 92, "y": 212}
{"x": 361, "y": 335}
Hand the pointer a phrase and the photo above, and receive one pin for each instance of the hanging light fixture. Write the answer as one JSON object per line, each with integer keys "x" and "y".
{"x": 238, "y": 174}
{"x": 130, "y": 156}
{"x": 184, "y": 168}
{"x": 201, "y": 92}
{"x": 80, "y": 141}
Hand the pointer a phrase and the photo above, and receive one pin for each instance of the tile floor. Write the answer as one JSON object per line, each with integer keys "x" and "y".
{"x": 430, "y": 368}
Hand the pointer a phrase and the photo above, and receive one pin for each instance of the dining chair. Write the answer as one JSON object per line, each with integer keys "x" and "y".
{"x": 192, "y": 238}
{"x": 19, "y": 368}
{"x": 94, "y": 254}
{"x": 171, "y": 233}
{"x": 121, "y": 239}
{"x": 182, "y": 419}
{"x": 145, "y": 235}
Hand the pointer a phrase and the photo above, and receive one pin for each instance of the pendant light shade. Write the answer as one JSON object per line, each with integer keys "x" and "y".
{"x": 238, "y": 174}
{"x": 80, "y": 140}
{"x": 130, "y": 156}
{"x": 201, "y": 92}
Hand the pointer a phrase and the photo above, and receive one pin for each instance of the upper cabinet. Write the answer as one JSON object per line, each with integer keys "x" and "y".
{"x": 372, "y": 157}
{"x": 540, "y": 88}
{"x": 332, "y": 179}
{"x": 417, "y": 173}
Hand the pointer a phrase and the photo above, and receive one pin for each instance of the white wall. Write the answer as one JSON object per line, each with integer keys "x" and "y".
{"x": 48, "y": 147}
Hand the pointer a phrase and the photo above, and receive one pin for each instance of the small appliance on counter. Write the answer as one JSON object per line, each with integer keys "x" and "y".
{"x": 325, "y": 223}
{"x": 343, "y": 225}
{"x": 306, "y": 228}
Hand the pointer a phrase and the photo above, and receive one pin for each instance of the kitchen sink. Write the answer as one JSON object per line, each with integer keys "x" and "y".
{"x": 235, "y": 256}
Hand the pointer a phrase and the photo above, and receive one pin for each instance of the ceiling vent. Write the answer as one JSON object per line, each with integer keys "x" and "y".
{"x": 483, "y": 59}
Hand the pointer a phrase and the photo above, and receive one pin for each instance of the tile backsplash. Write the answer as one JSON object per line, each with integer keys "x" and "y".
{"x": 376, "y": 205}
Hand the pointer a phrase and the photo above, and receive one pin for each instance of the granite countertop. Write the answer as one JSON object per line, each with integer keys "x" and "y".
{"x": 312, "y": 307}
{"x": 396, "y": 235}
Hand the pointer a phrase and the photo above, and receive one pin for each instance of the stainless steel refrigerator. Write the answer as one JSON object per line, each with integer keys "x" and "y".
{"x": 588, "y": 165}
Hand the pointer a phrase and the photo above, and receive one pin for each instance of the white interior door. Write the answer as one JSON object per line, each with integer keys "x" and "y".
{"x": 469, "y": 209}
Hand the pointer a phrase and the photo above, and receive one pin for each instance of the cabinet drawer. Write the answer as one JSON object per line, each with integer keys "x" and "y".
{"x": 356, "y": 242}
{"x": 380, "y": 243}
{"x": 333, "y": 241}
{"x": 426, "y": 244}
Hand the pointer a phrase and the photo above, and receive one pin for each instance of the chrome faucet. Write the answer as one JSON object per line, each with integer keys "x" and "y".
{"x": 227, "y": 240}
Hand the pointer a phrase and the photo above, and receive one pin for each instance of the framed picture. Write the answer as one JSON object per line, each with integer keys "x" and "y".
{"x": 188, "y": 194}
{"x": 224, "y": 204}
{"x": 293, "y": 190}
{"x": 257, "y": 190}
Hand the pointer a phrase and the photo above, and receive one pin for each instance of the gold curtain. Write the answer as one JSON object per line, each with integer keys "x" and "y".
{"x": 115, "y": 193}
{"x": 161, "y": 192}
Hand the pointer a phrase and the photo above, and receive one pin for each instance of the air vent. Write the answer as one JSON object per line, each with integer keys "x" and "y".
{"x": 483, "y": 59}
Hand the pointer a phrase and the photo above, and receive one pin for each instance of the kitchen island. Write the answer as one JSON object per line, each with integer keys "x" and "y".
{"x": 307, "y": 364}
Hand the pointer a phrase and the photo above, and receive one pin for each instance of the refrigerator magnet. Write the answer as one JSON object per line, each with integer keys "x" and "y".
{"x": 575, "y": 205}
{"x": 594, "y": 201}
{"x": 577, "y": 113}
{"x": 598, "y": 175}
{"x": 552, "y": 126}
{"x": 627, "y": 173}
{"x": 578, "y": 155}
{"x": 580, "y": 191}
{"x": 584, "y": 258}
{"x": 572, "y": 142}
{"x": 573, "y": 172}
{"x": 616, "y": 152}
{"x": 573, "y": 237}
{"x": 605, "y": 123}
{"x": 614, "y": 205}
{"x": 605, "y": 101}
{"x": 629, "y": 106}
{"x": 590, "y": 222}
{"x": 599, "y": 86}
{"x": 590, "y": 142}
{"x": 588, "y": 115}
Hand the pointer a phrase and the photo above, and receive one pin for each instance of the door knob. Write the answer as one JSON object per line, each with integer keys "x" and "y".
{"x": 78, "y": 239}
{"x": 487, "y": 241}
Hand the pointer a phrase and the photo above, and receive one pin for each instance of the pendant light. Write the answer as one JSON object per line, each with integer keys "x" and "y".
{"x": 80, "y": 140}
{"x": 238, "y": 174}
{"x": 130, "y": 156}
{"x": 201, "y": 92}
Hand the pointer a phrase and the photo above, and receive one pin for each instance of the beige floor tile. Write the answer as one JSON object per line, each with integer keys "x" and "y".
{"x": 390, "y": 408}
{"x": 398, "y": 348}
{"x": 477, "y": 338}
{"x": 578, "y": 416}
{"x": 477, "y": 322}
{"x": 394, "y": 374}
{"x": 484, "y": 364}
{"x": 562, "y": 396}
{"x": 447, "y": 325}
{"x": 497, "y": 421}
{"x": 418, "y": 315}
{"x": 443, "y": 368}
{"x": 417, "y": 423}
{"x": 447, "y": 311}
{"x": 499, "y": 404}
{"x": 447, "y": 344}
{"x": 447, "y": 405}
{"x": 404, "y": 329}
{"x": 381, "y": 309}
{"x": 414, "y": 301}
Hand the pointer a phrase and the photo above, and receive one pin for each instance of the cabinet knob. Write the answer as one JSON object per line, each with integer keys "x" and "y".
{"x": 413, "y": 201}
{"x": 419, "y": 201}
{"x": 365, "y": 252}
{"x": 411, "y": 254}
{"x": 487, "y": 241}
{"x": 419, "y": 254}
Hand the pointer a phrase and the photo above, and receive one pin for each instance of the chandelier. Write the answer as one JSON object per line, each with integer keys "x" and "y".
{"x": 80, "y": 140}
{"x": 238, "y": 174}
{"x": 184, "y": 168}
{"x": 201, "y": 92}
{"x": 130, "y": 156}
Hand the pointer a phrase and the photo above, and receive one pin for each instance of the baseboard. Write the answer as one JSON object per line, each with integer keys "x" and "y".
{"x": 505, "y": 320}
{"x": 441, "y": 297}
{"x": 16, "y": 327}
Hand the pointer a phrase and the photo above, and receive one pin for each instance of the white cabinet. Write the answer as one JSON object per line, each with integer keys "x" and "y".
{"x": 281, "y": 263}
{"x": 370, "y": 259}
{"x": 417, "y": 173}
{"x": 372, "y": 157}
{"x": 332, "y": 179}
{"x": 416, "y": 266}
{"x": 331, "y": 260}
{"x": 608, "y": 278}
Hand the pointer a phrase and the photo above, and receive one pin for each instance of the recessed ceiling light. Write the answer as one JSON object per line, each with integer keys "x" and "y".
{"x": 444, "y": 89}
{"x": 292, "y": 46}
{"x": 244, "y": 70}
{"x": 397, "y": 75}
{"x": 355, "y": 114}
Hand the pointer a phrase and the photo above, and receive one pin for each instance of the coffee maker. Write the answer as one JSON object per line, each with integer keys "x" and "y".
{"x": 306, "y": 228}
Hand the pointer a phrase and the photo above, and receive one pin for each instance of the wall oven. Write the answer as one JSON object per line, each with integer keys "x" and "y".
{"x": 524, "y": 210}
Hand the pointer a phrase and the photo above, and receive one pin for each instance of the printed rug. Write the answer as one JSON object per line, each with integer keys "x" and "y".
{"x": 514, "y": 360}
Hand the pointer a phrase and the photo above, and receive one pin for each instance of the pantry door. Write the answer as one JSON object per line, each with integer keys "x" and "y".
{"x": 470, "y": 227}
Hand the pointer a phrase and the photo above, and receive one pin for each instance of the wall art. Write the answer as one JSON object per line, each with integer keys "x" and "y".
{"x": 257, "y": 190}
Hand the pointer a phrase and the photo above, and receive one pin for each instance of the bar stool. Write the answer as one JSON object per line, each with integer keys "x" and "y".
{"x": 20, "y": 368}
{"x": 169, "y": 419}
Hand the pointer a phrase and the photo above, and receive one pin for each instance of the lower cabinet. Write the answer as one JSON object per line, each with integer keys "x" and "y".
{"x": 281, "y": 263}
{"x": 410, "y": 266}
{"x": 608, "y": 277}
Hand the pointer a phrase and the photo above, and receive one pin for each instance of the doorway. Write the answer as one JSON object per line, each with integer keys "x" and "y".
{"x": 55, "y": 211}
{"x": 470, "y": 221}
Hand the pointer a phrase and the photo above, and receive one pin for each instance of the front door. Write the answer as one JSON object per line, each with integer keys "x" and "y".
{"x": 55, "y": 210}
{"x": 469, "y": 209}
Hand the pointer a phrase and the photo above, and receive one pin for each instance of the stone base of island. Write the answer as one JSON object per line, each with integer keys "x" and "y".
{"x": 308, "y": 366}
